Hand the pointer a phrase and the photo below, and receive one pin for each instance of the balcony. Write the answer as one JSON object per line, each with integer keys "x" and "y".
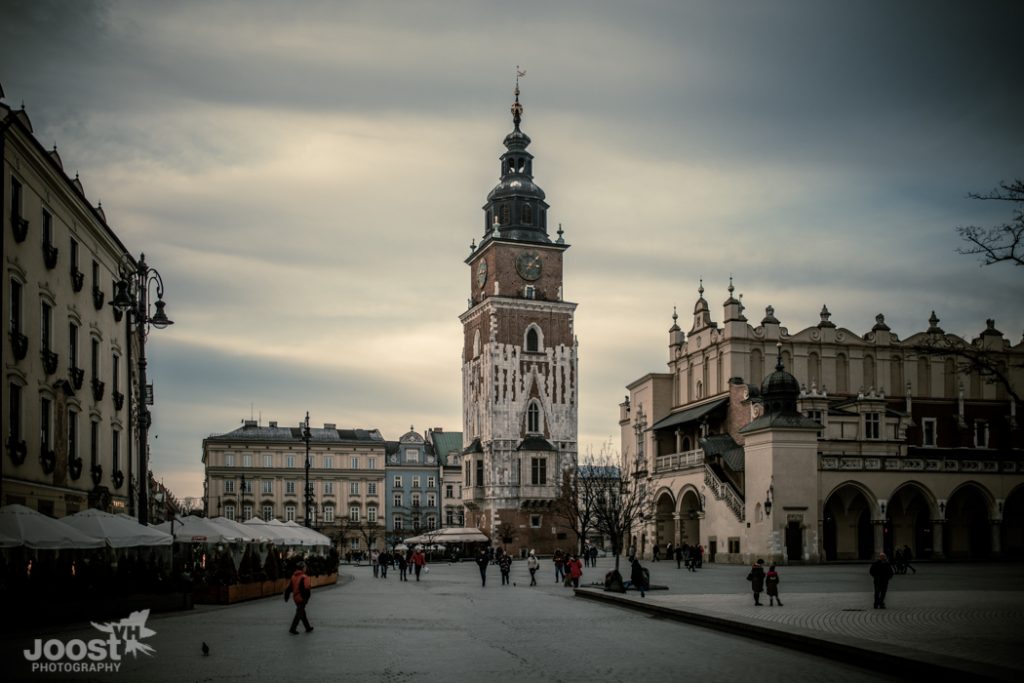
{"x": 96, "y": 472}
{"x": 77, "y": 279}
{"x": 118, "y": 400}
{"x": 48, "y": 458}
{"x": 19, "y": 344}
{"x": 77, "y": 377}
{"x": 50, "y": 361}
{"x": 20, "y": 227}
{"x": 97, "y": 388}
{"x": 97, "y": 298}
{"x": 50, "y": 255}
{"x": 75, "y": 469}
{"x": 17, "y": 449}
{"x": 543, "y": 492}
{"x": 679, "y": 461}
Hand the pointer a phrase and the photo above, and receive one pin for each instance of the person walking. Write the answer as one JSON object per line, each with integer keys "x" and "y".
{"x": 593, "y": 556}
{"x": 533, "y": 564}
{"x": 756, "y": 579}
{"x": 559, "y": 560}
{"x": 403, "y": 567}
{"x": 419, "y": 561}
{"x": 385, "y": 562}
{"x": 482, "y": 561}
{"x": 679, "y": 556}
{"x": 656, "y": 552}
{"x": 375, "y": 563}
{"x": 700, "y": 556}
{"x": 574, "y": 569}
{"x": 637, "y": 578}
{"x": 505, "y": 565}
{"x": 908, "y": 555}
{"x": 771, "y": 585}
{"x": 881, "y": 573}
{"x": 299, "y": 590}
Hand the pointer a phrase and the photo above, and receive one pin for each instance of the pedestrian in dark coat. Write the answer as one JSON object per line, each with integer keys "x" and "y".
{"x": 637, "y": 578}
{"x": 482, "y": 561}
{"x": 908, "y": 555}
{"x": 881, "y": 573}
{"x": 771, "y": 585}
{"x": 679, "y": 556}
{"x": 505, "y": 565}
{"x": 756, "y": 579}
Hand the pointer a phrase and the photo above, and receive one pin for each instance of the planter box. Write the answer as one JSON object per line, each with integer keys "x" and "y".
{"x": 227, "y": 595}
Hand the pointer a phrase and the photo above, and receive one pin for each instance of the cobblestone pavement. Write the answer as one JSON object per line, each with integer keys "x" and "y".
{"x": 967, "y": 616}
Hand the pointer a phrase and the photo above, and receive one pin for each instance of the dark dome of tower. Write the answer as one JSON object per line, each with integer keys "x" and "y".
{"x": 780, "y": 391}
{"x": 517, "y": 139}
{"x": 780, "y": 382}
{"x": 515, "y": 186}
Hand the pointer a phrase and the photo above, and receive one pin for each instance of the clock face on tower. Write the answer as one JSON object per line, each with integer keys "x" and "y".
{"x": 528, "y": 264}
{"x": 481, "y": 273}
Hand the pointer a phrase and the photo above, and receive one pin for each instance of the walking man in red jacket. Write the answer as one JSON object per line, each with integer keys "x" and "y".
{"x": 299, "y": 591}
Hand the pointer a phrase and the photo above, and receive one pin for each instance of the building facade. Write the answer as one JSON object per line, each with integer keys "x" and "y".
{"x": 519, "y": 362}
{"x": 260, "y": 471}
{"x": 68, "y": 392}
{"x": 448, "y": 448}
{"x": 413, "y": 482}
{"x": 886, "y": 443}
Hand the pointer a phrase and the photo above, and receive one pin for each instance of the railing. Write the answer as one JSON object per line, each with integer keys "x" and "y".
{"x": 725, "y": 493}
{"x": 679, "y": 461}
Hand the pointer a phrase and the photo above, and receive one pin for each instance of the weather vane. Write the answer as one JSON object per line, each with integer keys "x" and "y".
{"x": 517, "y": 109}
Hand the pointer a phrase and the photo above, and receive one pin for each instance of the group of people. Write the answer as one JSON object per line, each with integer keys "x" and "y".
{"x": 760, "y": 581}
{"x": 414, "y": 558}
{"x": 691, "y": 555}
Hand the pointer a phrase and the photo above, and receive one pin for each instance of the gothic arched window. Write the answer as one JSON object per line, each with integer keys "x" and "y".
{"x": 534, "y": 341}
{"x": 533, "y": 418}
{"x": 527, "y": 218}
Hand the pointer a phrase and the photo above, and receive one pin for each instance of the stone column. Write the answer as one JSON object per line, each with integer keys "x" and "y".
{"x": 937, "y": 527}
{"x": 675, "y": 529}
{"x": 879, "y": 528}
{"x": 997, "y": 538}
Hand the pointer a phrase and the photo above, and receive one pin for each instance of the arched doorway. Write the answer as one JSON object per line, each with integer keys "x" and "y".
{"x": 690, "y": 512}
{"x": 664, "y": 524}
{"x": 1013, "y": 525}
{"x": 846, "y": 529}
{"x": 909, "y": 520}
{"x": 968, "y": 534}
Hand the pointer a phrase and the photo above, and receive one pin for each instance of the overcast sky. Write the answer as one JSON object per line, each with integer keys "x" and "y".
{"x": 308, "y": 176}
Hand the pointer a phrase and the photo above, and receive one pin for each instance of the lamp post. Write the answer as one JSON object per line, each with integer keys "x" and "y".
{"x": 308, "y": 493}
{"x": 131, "y": 296}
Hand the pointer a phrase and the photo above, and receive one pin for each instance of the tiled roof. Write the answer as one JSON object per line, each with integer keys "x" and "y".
{"x": 319, "y": 435}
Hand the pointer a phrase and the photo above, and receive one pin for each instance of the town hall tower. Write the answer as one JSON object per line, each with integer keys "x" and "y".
{"x": 519, "y": 363}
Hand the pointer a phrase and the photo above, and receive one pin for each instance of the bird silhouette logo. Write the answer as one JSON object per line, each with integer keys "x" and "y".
{"x": 131, "y": 630}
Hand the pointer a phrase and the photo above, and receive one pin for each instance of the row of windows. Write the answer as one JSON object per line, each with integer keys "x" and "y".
{"x": 290, "y": 486}
{"x": 290, "y": 460}
{"x": 47, "y": 427}
{"x": 398, "y": 500}
{"x": 47, "y": 341}
{"x": 929, "y": 428}
{"x": 538, "y": 472}
{"x": 397, "y": 482}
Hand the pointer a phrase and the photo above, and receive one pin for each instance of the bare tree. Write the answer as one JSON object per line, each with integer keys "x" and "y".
{"x": 619, "y": 501}
{"x": 506, "y": 533}
{"x": 998, "y": 243}
{"x": 574, "y": 506}
{"x": 368, "y": 531}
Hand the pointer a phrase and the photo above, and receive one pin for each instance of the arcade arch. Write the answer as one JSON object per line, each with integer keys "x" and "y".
{"x": 847, "y": 531}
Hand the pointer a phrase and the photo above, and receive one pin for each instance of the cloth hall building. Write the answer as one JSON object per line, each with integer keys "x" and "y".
{"x": 855, "y": 443}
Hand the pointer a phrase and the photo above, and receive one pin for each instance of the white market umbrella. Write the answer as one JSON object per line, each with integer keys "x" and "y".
{"x": 250, "y": 534}
{"x": 197, "y": 530}
{"x": 35, "y": 530}
{"x": 310, "y": 537}
{"x": 117, "y": 531}
{"x": 277, "y": 533}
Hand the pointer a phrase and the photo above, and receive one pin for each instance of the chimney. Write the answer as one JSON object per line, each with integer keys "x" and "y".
{"x": 330, "y": 425}
{"x": 273, "y": 424}
{"x": 249, "y": 423}
{"x": 438, "y": 430}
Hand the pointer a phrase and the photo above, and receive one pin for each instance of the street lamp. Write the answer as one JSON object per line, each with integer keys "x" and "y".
{"x": 309, "y": 494}
{"x": 131, "y": 295}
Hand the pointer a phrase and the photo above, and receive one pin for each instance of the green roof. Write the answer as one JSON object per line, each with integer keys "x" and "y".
{"x": 445, "y": 443}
